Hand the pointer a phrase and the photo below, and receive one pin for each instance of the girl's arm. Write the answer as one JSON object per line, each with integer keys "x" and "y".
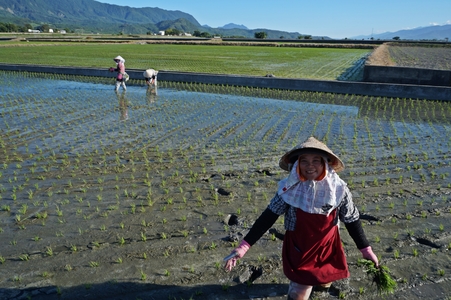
{"x": 356, "y": 232}
{"x": 261, "y": 225}
{"x": 350, "y": 216}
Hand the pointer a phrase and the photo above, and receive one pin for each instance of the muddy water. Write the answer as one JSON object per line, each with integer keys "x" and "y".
{"x": 125, "y": 195}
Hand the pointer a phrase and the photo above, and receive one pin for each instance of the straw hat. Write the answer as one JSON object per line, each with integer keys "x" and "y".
{"x": 311, "y": 145}
{"x": 119, "y": 58}
{"x": 149, "y": 73}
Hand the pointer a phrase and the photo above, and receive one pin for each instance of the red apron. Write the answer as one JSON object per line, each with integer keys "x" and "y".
{"x": 312, "y": 254}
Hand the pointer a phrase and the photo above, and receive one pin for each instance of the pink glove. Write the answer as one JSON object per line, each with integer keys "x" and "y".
{"x": 239, "y": 253}
{"x": 111, "y": 69}
{"x": 368, "y": 253}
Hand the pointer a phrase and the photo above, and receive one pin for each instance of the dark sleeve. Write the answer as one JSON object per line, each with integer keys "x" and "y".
{"x": 261, "y": 225}
{"x": 357, "y": 234}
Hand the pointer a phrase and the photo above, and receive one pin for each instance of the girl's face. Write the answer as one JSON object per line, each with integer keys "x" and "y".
{"x": 311, "y": 166}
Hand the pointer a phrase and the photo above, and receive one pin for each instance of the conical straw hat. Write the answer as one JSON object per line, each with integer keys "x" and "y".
{"x": 309, "y": 146}
{"x": 149, "y": 73}
{"x": 119, "y": 58}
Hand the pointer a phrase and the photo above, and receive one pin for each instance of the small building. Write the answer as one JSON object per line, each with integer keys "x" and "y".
{"x": 50, "y": 30}
{"x": 34, "y": 31}
{"x": 188, "y": 34}
{"x": 62, "y": 31}
{"x": 161, "y": 32}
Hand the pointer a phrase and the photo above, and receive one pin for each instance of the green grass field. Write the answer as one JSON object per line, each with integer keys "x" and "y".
{"x": 285, "y": 62}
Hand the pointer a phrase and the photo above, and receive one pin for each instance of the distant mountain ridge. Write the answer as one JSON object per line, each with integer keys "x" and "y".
{"x": 62, "y": 11}
{"x": 234, "y": 26}
{"x": 90, "y": 15}
{"x": 436, "y": 32}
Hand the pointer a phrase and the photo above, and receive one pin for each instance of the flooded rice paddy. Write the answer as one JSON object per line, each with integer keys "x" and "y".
{"x": 127, "y": 195}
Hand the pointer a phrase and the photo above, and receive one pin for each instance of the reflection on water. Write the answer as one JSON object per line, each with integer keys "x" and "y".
{"x": 151, "y": 93}
{"x": 123, "y": 105}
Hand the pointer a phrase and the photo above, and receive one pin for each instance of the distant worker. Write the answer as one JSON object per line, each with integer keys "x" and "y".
{"x": 151, "y": 76}
{"x": 121, "y": 75}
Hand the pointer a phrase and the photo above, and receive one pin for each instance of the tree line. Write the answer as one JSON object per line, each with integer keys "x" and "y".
{"x": 11, "y": 27}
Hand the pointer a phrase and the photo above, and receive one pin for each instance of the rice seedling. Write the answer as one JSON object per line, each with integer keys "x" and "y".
{"x": 213, "y": 246}
{"x": 49, "y": 251}
{"x": 385, "y": 284}
{"x": 94, "y": 264}
{"x": 24, "y": 257}
{"x": 144, "y": 276}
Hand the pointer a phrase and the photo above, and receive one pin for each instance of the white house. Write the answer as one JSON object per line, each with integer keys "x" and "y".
{"x": 50, "y": 30}
{"x": 34, "y": 31}
{"x": 161, "y": 32}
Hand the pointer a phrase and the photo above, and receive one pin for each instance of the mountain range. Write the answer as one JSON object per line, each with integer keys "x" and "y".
{"x": 436, "y": 32}
{"x": 96, "y": 17}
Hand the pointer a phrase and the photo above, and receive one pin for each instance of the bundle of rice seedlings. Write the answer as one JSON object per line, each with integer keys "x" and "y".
{"x": 385, "y": 284}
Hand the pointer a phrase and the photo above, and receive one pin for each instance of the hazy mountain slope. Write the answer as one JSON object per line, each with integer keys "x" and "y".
{"x": 421, "y": 33}
{"x": 232, "y": 25}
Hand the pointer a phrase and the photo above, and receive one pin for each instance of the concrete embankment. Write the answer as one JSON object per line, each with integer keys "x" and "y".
{"x": 330, "y": 86}
{"x": 404, "y": 75}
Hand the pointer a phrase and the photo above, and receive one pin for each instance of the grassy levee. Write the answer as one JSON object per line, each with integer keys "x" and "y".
{"x": 283, "y": 62}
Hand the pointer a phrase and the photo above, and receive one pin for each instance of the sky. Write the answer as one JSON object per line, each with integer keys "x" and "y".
{"x": 332, "y": 18}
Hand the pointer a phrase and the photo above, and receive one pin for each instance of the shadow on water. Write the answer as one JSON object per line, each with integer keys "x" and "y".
{"x": 133, "y": 291}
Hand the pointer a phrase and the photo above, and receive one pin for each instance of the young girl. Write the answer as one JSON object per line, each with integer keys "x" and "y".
{"x": 120, "y": 69}
{"x": 313, "y": 199}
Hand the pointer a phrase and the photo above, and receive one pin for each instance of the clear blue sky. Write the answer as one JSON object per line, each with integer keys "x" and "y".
{"x": 333, "y": 18}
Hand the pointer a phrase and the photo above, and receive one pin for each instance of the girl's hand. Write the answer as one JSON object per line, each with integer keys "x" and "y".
{"x": 368, "y": 253}
{"x": 236, "y": 254}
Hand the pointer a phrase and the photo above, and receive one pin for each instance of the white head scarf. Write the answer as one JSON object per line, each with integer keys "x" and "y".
{"x": 312, "y": 196}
